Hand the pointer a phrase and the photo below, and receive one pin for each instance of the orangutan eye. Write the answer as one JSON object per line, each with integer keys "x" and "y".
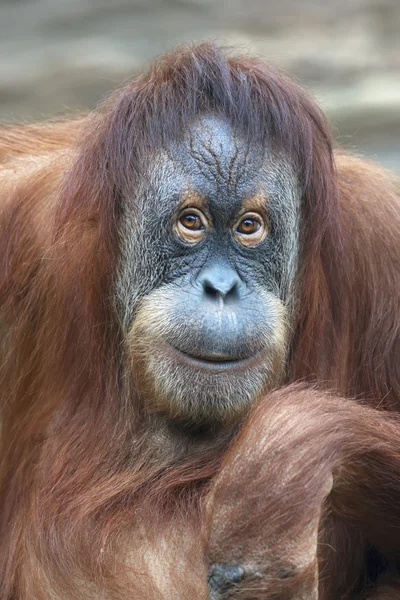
{"x": 250, "y": 230}
{"x": 191, "y": 221}
{"x": 191, "y": 225}
{"x": 248, "y": 226}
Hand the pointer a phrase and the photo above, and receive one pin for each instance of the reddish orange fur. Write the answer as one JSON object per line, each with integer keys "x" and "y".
{"x": 306, "y": 463}
{"x": 82, "y": 465}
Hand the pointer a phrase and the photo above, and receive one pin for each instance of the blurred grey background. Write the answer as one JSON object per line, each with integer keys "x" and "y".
{"x": 59, "y": 56}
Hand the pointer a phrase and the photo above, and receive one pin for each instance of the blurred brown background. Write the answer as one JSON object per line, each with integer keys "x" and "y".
{"x": 65, "y": 55}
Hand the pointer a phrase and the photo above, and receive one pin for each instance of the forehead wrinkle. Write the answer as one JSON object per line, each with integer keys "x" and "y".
{"x": 204, "y": 155}
{"x": 219, "y": 153}
{"x": 178, "y": 178}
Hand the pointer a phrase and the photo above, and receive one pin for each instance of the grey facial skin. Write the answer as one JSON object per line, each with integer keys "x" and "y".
{"x": 209, "y": 320}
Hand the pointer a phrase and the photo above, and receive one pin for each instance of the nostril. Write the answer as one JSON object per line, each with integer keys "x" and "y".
{"x": 220, "y": 282}
{"x": 210, "y": 290}
{"x": 221, "y": 289}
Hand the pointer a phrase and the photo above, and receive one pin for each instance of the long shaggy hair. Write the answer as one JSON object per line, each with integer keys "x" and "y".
{"x": 79, "y": 454}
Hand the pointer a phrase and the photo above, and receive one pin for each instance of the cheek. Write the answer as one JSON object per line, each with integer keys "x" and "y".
{"x": 284, "y": 249}
{"x": 146, "y": 264}
{"x": 140, "y": 269}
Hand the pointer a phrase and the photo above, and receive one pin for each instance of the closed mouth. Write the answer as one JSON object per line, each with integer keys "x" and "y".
{"x": 217, "y": 362}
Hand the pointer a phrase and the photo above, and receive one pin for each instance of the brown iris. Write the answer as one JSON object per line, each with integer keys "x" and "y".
{"x": 191, "y": 221}
{"x": 248, "y": 226}
{"x": 250, "y": 230}
{"x": 191, "y": 225}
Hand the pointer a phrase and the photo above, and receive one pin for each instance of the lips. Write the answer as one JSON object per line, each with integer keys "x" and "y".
{"x": 213, "y": 361}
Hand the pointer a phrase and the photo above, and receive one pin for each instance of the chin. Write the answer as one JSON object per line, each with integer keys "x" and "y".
{"x": 202, "y": 391}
